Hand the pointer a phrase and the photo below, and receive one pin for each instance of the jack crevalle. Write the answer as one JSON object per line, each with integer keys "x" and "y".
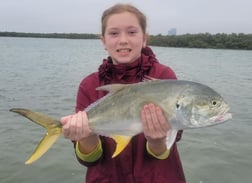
{"x": 185, "y": 104}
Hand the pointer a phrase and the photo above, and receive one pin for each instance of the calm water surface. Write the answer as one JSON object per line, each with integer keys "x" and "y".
{"x": 43, "y": 75}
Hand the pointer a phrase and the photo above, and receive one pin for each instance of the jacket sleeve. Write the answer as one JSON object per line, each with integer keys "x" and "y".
{"x": 86, "y": 95}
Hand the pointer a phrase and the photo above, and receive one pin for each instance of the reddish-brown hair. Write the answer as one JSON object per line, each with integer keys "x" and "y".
{"x": 120, "y": 8}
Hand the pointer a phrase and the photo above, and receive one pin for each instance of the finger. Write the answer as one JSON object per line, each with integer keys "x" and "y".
{"x": 163, "y": 124}
{"x": 85, "y": 121}
{"x": 78, "y": 127}
{"x": 65, "y": 119}
{"x": 144, "y": 122}
{"x": 154, "y": 119}
{"x": 148, "y": 117}
{"x": 73, "y": 124}
{"x": 85, "y": 130}
{"x": 159, "y": 123}
{"x": 66, "y": 125}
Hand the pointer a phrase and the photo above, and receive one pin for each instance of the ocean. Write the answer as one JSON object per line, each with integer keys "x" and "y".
{"x": 44, "y": 74}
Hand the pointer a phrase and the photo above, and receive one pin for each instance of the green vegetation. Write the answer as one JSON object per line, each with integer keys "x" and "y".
{"x": 206, "y": 40}
{"x": 217, "y": 41}
{"x": 50, "y": 35}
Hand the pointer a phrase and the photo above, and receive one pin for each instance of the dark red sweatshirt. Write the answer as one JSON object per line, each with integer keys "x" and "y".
{"x": 134, "y": 164}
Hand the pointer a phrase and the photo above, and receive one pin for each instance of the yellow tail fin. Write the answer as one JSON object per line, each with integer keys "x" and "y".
{"x": 53, "y": 127}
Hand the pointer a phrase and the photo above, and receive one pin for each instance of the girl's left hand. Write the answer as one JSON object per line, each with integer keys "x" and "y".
{"x": 155, "y": 127}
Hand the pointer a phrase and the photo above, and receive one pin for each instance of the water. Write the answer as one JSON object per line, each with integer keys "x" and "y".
{"x": 43, "y": 75}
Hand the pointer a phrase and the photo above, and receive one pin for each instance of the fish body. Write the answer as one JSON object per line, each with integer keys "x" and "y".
{"x": 185, "y": 104}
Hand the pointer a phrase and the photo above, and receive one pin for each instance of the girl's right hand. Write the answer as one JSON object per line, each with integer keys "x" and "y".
{"x": 75, "y": 127}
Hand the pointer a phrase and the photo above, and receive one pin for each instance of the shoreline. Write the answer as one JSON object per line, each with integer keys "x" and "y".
{"x": 235, "y": 41}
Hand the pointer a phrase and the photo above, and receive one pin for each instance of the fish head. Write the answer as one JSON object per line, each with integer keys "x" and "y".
{"x": 201, "y": 107}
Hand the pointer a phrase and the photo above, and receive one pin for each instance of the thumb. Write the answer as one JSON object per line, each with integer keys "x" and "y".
{"x": 65, "y": 119}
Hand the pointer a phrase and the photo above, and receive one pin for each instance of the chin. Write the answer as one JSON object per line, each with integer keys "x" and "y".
{"x": 123, "y": 61}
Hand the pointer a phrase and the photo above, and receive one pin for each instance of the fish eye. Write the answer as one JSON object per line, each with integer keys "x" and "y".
{"x": 214, "y": 102}
{"x": 177, "y": 105}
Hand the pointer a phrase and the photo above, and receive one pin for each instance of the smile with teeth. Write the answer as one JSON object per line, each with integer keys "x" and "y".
{"x": 124, "y": 50}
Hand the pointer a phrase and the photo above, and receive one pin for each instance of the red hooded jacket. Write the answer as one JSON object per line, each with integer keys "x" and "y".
{"x": 134, "y": 164}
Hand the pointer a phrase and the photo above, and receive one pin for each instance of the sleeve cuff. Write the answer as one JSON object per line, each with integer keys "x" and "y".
{"x": 92, "y": 156}
{"x": 162, "y": 156}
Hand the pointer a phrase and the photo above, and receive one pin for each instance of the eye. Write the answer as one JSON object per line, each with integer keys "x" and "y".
{"x": 132, "y": 32}
{"x": 214, "y": 102}
{"x": 113, "y": 33}
{"x": 177, "y": 105}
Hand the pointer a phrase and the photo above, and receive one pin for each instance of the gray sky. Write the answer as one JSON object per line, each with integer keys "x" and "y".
{"x": 83, "y": 16}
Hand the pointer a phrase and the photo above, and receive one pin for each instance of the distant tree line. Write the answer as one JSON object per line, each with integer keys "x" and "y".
{"x": 216, "y": 41}
{"x": 50, "y": 35}
{"x": 206, "y": 40}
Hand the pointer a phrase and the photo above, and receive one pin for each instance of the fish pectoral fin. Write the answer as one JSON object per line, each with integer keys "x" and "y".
{"x": 170, "y": 138}
{"x": 48, "y": 140}
{"x": 121, "y": 142}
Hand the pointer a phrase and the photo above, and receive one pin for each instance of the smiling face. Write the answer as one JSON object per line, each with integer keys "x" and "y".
{"x": 123, "y": 38}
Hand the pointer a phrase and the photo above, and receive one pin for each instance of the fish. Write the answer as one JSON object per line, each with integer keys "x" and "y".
{"x": 185, "y": 105}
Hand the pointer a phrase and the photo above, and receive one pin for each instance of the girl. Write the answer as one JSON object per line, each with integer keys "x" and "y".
{"x": 146, "y": 158}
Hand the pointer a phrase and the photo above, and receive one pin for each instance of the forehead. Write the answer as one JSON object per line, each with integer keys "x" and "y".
{"x": 122, "y": 20}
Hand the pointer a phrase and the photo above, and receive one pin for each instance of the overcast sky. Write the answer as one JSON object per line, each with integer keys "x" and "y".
{"x": 83, "y": 16}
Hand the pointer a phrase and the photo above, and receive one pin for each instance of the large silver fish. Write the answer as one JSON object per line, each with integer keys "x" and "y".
{"x": 185, "y": 104}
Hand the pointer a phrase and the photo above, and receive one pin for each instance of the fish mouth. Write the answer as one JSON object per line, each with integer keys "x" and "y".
{"x": 215, "y": 120}
{"x": 222, "y": 117}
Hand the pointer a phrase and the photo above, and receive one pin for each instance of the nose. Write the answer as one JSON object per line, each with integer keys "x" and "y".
{"x": 123, "y": 39}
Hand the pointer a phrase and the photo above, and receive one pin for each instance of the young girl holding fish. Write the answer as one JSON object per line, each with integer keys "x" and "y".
{"x": 146, "y": 157}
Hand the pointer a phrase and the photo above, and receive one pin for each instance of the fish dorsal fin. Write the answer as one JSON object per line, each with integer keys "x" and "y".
{"x": 121, "y": 142}
{"x": 112, "y": 88}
